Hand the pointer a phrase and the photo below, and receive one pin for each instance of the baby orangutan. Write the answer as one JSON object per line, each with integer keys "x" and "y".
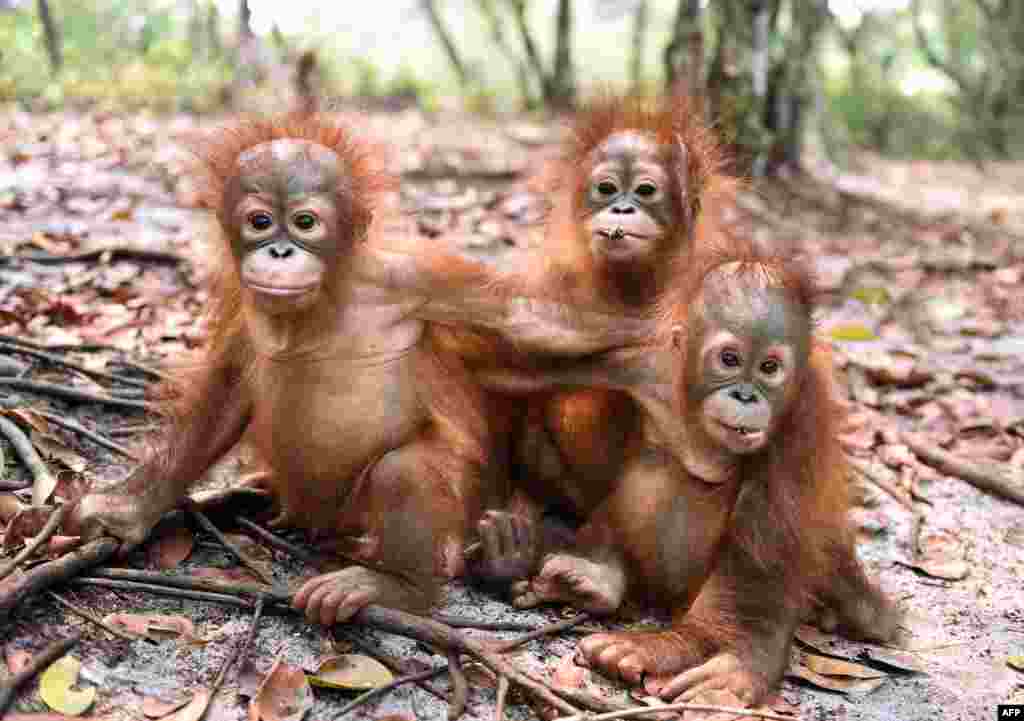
{"x": 732, "y": 512}
{"x": 318, "y": 353}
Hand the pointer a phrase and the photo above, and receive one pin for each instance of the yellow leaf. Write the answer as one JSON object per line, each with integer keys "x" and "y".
{"x": 852, "y": 332}
{"x": 870, "y": 295}
{"x": 351, "y": 671}
{"x": 55, "y": 687}
{"x": 1016, "y": 662}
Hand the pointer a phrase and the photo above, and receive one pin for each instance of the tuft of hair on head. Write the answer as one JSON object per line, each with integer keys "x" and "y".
{"x": 215, "y": 157}
{"x": 749, "y": 265}
{"x": 671, "y": 121}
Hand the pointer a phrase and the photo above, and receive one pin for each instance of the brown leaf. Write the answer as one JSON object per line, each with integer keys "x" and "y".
{"x": 854, "y": 686}
{"x": 284, "y": 695}
{"x": 27, "y": 523}
{"x": 836, "y": 667}
{"x": 154, "y": 626}
{"x": 195, "y": 708}
{"x": 153, "y": 707}
{"x": 171, "y": 548}
{"x": 891, "y": 658}
{"x": 351, "y": 671}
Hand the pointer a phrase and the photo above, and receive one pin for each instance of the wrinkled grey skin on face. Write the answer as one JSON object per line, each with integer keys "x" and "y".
{"x": 747, "y": 356}
{"x": 629, "y": 199}
{"x": 284, "y": 221}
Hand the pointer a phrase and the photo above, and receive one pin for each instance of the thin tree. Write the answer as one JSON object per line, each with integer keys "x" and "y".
{"x": 447, "y": 43}
{"x": 51, "y": 36}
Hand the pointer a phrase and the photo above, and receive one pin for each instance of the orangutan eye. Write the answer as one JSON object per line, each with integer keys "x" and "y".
{"x": 260, "y": 221}
{"x": 770, "y": 367}
{"x": 607, "y": 187}
{"x": 730, "y": 358}
{"x": 646, "y": 190}
{"x": 305, "y": 220}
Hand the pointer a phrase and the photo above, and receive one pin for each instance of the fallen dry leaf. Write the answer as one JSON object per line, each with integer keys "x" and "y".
{"x": 55, "y": 687}
{"x": 17, "y": 659}
{"x": 153, "y": 707}
{"x": 893, "y": 659}
{"x": 155, "y": 626}
{"x": 837, "y": 667}
{"x": 840, "y": 684}
{"x": 1016, "y": 662}
{"x": 195, "y": 709}
{"x": 284, "y": 695}
{"x": 171, "y": 548}
{"x": 25, "y": 524}
{"x": 351, "y": 671}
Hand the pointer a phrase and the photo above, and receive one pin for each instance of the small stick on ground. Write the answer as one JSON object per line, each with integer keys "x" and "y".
{"x": 642, "y": 710}
{"x": 52, "y": 359}
{"x": 51, "y": 526}
{"x": 549, "y": 630}
{"x": 999, "y": 479}
{"x": 163, "y": 591}
{"x": 870, "y": 473}
{"x": 93, "y": 618}
{"x": 460, "y": 622}
{"x": 373, "y": 693}
{"x": 93, "y": 436}
{"x": 134, "y": 430}
{"x": 241, "y": 652}
{"x": 157, "y": 578}
{"x": 460, "y": 686}
{"x": 27, "y": 452}
{"x": 231, "y": 548}
{"x": 73, "y": 394}
{"x": 40, "y": 661}
{"x": 392, "y": 664}
{"x": 499, "y": 704}
{"x": 275, "y": 541}
{"x": 113, "y": 252}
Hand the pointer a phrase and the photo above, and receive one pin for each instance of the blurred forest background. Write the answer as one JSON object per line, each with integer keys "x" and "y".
{"x": 936, "y": 79}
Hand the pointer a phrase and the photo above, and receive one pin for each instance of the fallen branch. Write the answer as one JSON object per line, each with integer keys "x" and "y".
{"x": 93, "y": 618}
{"x": 50, "y": 527}
{"x": 72, "y": 394}
{"x": 998, "y": 479}
{"x": 40, "y": 661}
{"x": 93, "y": 436}
{"x": 112, "y": 252}
{"x": 275, "y": 541}
{"x": 163, "y": 591}
{"x": 49, "y": 574}
{"x": 373, "y": 693}
{"x": 459, "y": 622}
{"x": 393, "y": 665}
{"x": 641, "y": 710}
{"x": 460, "y": 687}
{"x": 52, "y": 359}
{"x": 42, "y": 478}
{"x": 184, "y": 582}
{"x": 870, "y": 472}
{"x": 502, "y": 697}
{"x": 231, "y": 548}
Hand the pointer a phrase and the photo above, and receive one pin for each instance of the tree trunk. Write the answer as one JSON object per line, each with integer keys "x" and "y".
{"x": 686, "y": 34}
{"x": 51, "y": 36}
{"x": 447, "y": 43}
{"x": 641, "y": 19}
{"x": 563, "y": 83}
{"x": 759, "y": 73}
{"x": 245, "y": 32}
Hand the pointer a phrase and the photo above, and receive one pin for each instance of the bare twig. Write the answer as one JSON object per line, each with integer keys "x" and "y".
{"x": 40, "y": 661}
{"x": 52, "y": 359}
{"x": 134, "y": 430}
{"x": 163, "y": 591}
{"x": 185, "y": 582}
{"x": 72, "y": 394}
{"x": 460, "y": 687}
{"x": 241, "y": 652}
{"x": 272, "y": 539}
{"x": 113, "y": 252}
{"x": 380, "y": 690}
{"x": 499, "y": 704}
{"x": 50, "y": 574}
{"x": 93, "y": 618}
{"x": 393, "y": 665}
{"x": 994, "y": 478}
{"x": 140, "y": 368}
{"x": 42, "y": 478}
{"x": 231, "y": 548}
{"x": 459, "y": 622}
{"x": 873, "y": 474}
{"x": 641, "y": 710}
{"x": 549, "y": 630}
{"x": 93, "y": 436}
{"x": 51, "y": 526}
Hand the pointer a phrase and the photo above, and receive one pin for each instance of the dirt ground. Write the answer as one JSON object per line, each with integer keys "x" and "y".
{"x": 924, "y": 266}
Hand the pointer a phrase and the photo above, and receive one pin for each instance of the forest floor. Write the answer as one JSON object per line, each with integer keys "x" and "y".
{"x": 924, "y": 267}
